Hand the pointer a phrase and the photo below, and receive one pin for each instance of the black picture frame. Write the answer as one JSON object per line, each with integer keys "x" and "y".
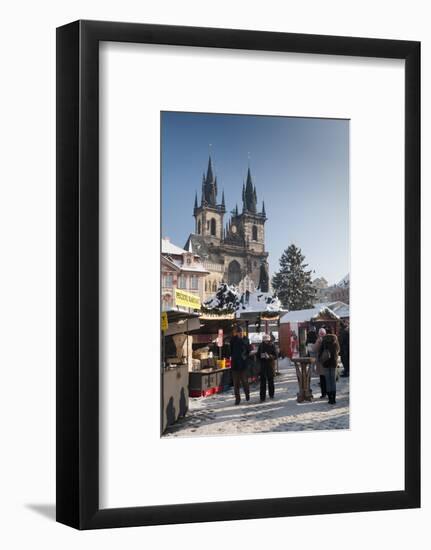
{"x": 78, "y": 274}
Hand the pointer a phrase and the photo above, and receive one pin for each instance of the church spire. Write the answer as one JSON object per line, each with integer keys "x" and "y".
{"x": 222, "y": 200}
{"x": 210, "y": 177}
{"x": 249, "y": 194}
{"x": 196, "y": 201}
{"x": 249, "y": 182}
{"x": 203, "y": 189}
{"x": 209, "y": 186}
{"x": 263, "y": 208}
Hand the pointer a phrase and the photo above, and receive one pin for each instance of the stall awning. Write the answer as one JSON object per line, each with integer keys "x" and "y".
{"x": 312, "y": 314}
{"x": 181, "y": 321}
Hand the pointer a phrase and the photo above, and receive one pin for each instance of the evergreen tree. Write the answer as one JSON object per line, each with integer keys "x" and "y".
{"x": 292, "y": 283}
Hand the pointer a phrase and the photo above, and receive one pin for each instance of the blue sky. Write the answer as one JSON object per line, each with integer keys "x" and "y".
{"x": 300, "y": 167}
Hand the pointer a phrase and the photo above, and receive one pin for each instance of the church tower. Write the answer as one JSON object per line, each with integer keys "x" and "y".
{"x": 250, "y": 224}
{"x": 235, "y": 253}
{"x": 209, "y": 215}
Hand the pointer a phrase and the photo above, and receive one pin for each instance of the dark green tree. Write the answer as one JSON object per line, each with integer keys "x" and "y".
{"x": 292, "y": 283}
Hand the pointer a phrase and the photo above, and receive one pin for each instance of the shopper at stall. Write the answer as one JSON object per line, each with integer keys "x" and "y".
{"x": 240, "y": 350}
{"x": 267, "y": 354}
{"x": 328, "y": 357}
{"x": 320, "y": 371}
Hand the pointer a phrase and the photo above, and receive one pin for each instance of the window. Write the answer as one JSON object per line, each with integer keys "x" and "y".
{"x": 213, "y": 227}
{"x": 167, "y": 302}
{"x": 182, "y": 281}
{"x": 199, "y": 227}
{"x": 167, "y": 280}
{"x": 254, "y": 233}
{"x": 194, "y": 282}
{"x": 234, "y": 273}
{"x": 215, "y": 286}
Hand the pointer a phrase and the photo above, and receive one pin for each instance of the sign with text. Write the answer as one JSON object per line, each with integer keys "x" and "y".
{"x": 164, "y": 321}
{"x": 186, "y": 299}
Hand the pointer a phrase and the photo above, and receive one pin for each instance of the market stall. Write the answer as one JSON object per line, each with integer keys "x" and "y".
{"x": 295, "y": 324}
{"x": 210, "y": 372}
{"x": 260, "y": 313}
{"x": 176, "y": 363}
{"x": 219, "y": 316}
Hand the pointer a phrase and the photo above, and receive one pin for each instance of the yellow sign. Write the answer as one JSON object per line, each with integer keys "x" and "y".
{"x": 186, "y": 299}
{"x": 164, "y": 321}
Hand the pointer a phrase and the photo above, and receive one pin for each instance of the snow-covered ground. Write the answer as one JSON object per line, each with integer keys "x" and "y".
{"x": 218, "y": 415}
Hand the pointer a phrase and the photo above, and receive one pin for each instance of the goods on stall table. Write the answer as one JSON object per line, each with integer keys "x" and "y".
{"x": 208, "y": 363}
{"x": 201, "y": 353}
{"x": 196, "y": 364}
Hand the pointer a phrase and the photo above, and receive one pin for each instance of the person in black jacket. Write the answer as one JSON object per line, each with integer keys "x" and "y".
{"x": 328, "y": 357}
{"x": 239, "y": 351}
{"x": 267, "y": 354}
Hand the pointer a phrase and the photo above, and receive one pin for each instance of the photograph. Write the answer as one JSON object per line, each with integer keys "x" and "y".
{"x": 215, "y": 255}
{"x": 255, "y": 274}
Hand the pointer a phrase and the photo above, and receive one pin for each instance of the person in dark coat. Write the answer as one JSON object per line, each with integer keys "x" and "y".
{"x": 240, "y": 350}
{"x": 345, "y": 349}
{"x": 320, "y": 370}
{"x": 267, "y": 354}
{"x": 328, "y": 357}
{"x": 311, "y": 337}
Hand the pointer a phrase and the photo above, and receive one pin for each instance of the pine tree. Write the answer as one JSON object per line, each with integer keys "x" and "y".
{"x": 292, "y": 283}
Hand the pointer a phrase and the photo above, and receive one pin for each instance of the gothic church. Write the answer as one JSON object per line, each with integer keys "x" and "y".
{"x": 233, "y": 252}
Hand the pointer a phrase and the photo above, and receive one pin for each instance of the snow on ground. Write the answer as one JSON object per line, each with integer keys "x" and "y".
{"x": 218, "y": 415}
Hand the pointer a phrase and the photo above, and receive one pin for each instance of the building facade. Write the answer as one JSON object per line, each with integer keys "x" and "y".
{"x": 180, "y": 269}
{"x": 341, "y": 291}
{"x": 338, "y": 292}
{"x": 232, "y": 251}
{"x": 321, "y": 286}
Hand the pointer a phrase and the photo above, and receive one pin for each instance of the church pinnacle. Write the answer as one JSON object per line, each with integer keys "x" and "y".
{"x": 249, "y": 195}
{"x": 209, "y": 186}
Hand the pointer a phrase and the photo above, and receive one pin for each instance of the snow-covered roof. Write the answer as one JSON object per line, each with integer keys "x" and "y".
{"x": 175, "y": 255}
{"x": 303, "y": 315}
{"x": 196, "y": 267}
{"x": 258, "y": 301}
{"x": 345, "y": 281}
{"x": 170, "y": 248}
{"x": 168, "y": 261}
{"x": 226, "y": 299}
{"x": 340, "y": 308}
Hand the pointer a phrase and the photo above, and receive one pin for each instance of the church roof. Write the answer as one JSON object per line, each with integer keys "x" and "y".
{"x": 200, "y": 247}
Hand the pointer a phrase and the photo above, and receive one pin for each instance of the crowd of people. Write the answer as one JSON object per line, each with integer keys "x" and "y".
{"x": 322, "y": 345}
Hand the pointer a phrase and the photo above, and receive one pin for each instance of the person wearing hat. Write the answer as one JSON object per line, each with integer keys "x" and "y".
{"x": 239, "y": 351}
{"x": 267, "y": 355}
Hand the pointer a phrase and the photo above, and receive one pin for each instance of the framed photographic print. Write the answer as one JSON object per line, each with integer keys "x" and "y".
{"x": 238, "y": 274}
